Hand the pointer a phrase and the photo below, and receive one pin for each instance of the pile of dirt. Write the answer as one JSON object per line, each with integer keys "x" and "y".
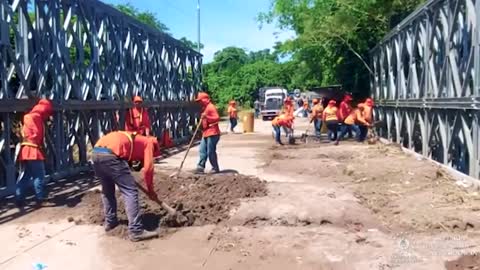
{"x": 209, "y": 198}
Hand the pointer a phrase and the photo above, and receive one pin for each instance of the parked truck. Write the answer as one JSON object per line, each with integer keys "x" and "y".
{"x": 271, "y": 99}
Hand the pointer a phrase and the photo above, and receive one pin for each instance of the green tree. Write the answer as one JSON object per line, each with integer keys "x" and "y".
{"x": 334, "y": 36}
{"x": 146, "y": 17}
{"x": 191, "y": 44}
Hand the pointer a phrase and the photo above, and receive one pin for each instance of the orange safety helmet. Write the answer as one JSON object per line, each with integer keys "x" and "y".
{"x": 202, "y": 96}
{"x": 232, "y": 102}
{"x": 315, "y": 101}
{"x": 137, "y": 99}
{"x": 332, "y": 102}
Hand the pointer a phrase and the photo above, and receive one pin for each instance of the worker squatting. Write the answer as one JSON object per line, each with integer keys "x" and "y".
{"x": 111, "y": 156}
{"x": 339, "y": 121}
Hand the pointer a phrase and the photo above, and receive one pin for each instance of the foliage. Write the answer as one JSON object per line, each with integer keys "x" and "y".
{"x": 146, "y": 17}
{"x": 334, "y": 36}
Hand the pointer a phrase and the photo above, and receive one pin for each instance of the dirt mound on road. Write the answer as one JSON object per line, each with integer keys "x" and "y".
{"x": 464, "y": 263}
{"x": 208, "y": 197}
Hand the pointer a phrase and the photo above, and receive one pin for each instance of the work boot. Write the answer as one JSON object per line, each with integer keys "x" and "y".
{"x": 336, "y": 143}
{"x": 45, "y": 203}
{"x": 110, "y": 226}
{"x": 20, "y": 204}
{"x": 144, "y": 235}
{"x": 199, "y": 171}
{"x": 214, "y": 171}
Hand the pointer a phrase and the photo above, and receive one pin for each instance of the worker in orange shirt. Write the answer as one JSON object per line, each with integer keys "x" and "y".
{"x": 344, "y": 111}
{"x": 316, "y": 116}
{"x": 368, "y": 115}
{"x": 353, "y": 121}
{"x": 281, "y": 121}
{"x": 232, "y": 114}
{"x": 137, "y": 119}
{"x": 330, "y": 118}
{"x": 210, "y": 135}
{"x": 32, "y": 155}
{"x": 111, "y": 155}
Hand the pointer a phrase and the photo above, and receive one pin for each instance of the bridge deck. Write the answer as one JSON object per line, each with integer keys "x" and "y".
{"x": 342, "y": 207}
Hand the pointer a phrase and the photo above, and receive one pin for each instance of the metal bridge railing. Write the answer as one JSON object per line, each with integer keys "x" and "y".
{"x": 427, "y": 80}
{"x": 90, "y": 59}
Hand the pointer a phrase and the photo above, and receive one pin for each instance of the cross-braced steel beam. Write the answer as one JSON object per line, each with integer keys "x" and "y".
{"x": 427, "y": 83}
{"x": 90, "y": 59}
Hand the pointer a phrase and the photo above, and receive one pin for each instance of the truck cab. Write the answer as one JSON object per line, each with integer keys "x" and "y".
{"x": 272, "y": 101}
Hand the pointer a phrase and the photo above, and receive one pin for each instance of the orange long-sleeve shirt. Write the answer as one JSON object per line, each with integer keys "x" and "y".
{"x": 144, "y": 149}
{"x": 317, "y": 111}
{"x": 282, "y": 121}
{"x": 368, "y": 114}
{"x": 33, "y": 131}
{"x": 137, "y": 120}
{"x": 356, "y": 117}
{"x": 344, "y": 110}
{"x": 330, "y": 113}
{"x": 210, "y": 120}
{"x": 232, "y": 111}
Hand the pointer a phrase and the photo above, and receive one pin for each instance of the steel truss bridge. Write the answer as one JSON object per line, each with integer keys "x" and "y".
{"x": 90, "y": 59}
{"x": 426, "y": 82}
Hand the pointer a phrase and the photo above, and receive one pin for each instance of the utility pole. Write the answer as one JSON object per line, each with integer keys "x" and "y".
{"x": 198, "y": 25}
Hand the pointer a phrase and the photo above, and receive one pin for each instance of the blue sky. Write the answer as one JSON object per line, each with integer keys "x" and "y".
{"x": 223, "y": 22}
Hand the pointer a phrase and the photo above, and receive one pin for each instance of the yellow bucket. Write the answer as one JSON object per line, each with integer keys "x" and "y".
{"x": 248, "y": 122}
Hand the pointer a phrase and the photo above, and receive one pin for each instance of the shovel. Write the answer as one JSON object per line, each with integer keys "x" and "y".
{"x": 186, "y": 153}
{"x": 174, "y": 218}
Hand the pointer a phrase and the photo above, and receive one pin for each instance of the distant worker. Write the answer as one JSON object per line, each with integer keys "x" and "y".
{"x": 306, "y": 107}
{"x": 257, "y": 106}
{"x": 281, "y": 121}
{"x": 353, "y": 122}
{"x": 137, "y": 119}
{"x": 288, "y": 107}
{"x": 211, "y": 134}
{"x": 111, "y": 155}
{"x": 330, "y": 118}
{"x": 316, "y": 117}
{"x": 368, "y": 115}
{"x": 344, "y": 111}
{"x": 32, "y": 155}
{"x": 232, "y": 114}
{"x": 368, "y": 112}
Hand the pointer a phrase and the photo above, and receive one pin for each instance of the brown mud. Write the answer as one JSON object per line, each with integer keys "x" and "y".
{"x": 209, "y": 198}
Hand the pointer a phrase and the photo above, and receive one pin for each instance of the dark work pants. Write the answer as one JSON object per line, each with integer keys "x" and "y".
{"x": 348, "y": 129}
{"x": 332, "y": 130}
{"x": 208, "y": 150}
{"x": 34, "y": 170}
{"x": 363, "y": 133}
{"x": 233, "y": 123}
{"x": 318, "y": 127}
{"x": 277, "y": 131}
{"x": 115, "y": 171}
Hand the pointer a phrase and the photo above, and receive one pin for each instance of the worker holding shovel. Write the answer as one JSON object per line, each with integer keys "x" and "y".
{"x": 316, "y": 117}
{"x": 210, "y": 134}
{"x": 111, "y": 155}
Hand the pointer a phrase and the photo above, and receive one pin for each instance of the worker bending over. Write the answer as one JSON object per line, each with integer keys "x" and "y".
{"x": 368, "y": 115}
{"x": 330, "y": 118}
{"x": 232, "y": 113}
{"x": 137, "y": 119}
{"x": 281, "y": 121}
{"x": 111, "y": 155}
{"x": 316, "y": 116}
{"x": 32, "y": 155}
{"x": 353, "y": 122}
{"x": 344, "y": 111}
{"x": 210, "y": 135}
